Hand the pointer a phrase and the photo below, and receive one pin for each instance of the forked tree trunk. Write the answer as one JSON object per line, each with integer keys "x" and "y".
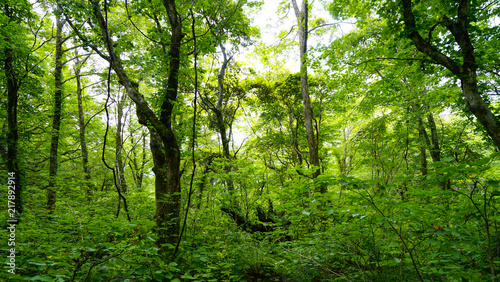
{"x": 221, "y": 121}
{"x": 431, "y": 144}
{"x": 466, "y": 70}
{"x": 312, "y": 140}
{"x": 168, "y": 160}
{"x": 164, "y": 146}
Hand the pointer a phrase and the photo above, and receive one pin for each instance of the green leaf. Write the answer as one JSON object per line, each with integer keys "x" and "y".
{"x": 436, "y": 164}
{"x": 187, "y": 276}
{"x": 432, "y": 240}
{"x": 448, "y": 159}
{"x": 41, "y": 278}
{"x": 494, "y": 183}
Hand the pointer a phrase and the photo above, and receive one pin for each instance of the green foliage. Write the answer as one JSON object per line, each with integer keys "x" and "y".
{"x": 412, "y": 180}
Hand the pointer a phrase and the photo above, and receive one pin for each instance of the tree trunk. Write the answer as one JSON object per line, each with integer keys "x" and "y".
{"x": 12, "y": 135}
{"x": 221, "y": 122}
{"x": 56, "y": 119}
{"x": 434, "y": 150}
{"x": 423, "y": 156}
{"x": 466, "y": 72}
{"x": 204, "y": 178}
{"x": 168, "y": 186}
{"x": 81, "y": 123}
{"x": 166, "y": 158}
{"x": 294, "y": 141}
{"x": 140, "y": 173}
{"x": 164, "y": 146}
{"x": 312, "y": 141}
{"x": 138, "y": 170}
{"x": 218, "y": 110}
{"x": 431, "y": 144}
{"x": 120, "y": 167}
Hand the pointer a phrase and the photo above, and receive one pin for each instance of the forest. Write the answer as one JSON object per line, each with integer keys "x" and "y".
{"x": 250, "y": 140}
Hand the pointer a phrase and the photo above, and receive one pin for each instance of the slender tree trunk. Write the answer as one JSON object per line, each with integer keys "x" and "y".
{"x": 432, "y": 144}
{"x": 56, "y": 119}
{"x": 81, "y": 123}
{"x": 12, "y": 135}
{"x": 140, "y": 173}
{"x": 221, "y": 122}
{"x": 312, "y": 141}
{"x": 138, "y": 170}
{"x": 223, "y": 134}
{"x": 218, "y": 110}
{"x": 434, "y": 149}
{"x": 120, "y": 167}
{"x": 423, "y": 156}
{"x": 294, "y": 141}
{"x": 204, "y": 178}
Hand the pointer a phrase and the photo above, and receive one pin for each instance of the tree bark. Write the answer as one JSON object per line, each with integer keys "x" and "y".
{"x": 312, "y": 141}
{"x": 56, "y": 119}
{"x": 218, "y": 110}
{"x": 423, "y": 157}
{"x": 466, "y": 72}
{"x": 140, "y": 173}
{"x": 164, "y": 146}
{"x": 12, "y": 135}
{"x": 294, "y": 136}
{"x": 166, "y": 159}
{"x": 432, "y": 144}
{"x": 138, "y": 170}
{"x": 168, "y": 204}
{"x": 204, "y": 178}
{"x": 120, "y": 167}
{"x": 221, "y": 121}
{"x": 81, "y": 123}
{"x": 434, "y": 149}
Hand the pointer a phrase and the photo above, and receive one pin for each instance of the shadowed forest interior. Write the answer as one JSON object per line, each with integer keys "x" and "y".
{"x": 250, "y": 140}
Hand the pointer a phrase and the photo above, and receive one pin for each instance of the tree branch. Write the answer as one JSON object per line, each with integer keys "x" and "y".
{"x": 82, "y": 37}
{"x": 424, "y": 46}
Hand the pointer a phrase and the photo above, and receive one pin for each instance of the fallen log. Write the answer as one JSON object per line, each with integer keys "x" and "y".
{"x": 253, "y": 227}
